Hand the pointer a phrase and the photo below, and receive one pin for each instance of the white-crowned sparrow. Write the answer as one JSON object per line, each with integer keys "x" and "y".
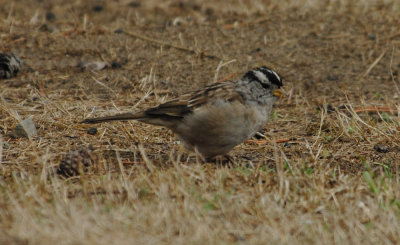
{"x": 214, "y": 119}
{"x": 10, "y": 64}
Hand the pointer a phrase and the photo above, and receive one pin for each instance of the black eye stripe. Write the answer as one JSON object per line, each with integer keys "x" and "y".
{"x": 264, "y": 85}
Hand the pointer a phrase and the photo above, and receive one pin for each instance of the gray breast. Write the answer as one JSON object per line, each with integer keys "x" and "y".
{"x": 215, "y": 129}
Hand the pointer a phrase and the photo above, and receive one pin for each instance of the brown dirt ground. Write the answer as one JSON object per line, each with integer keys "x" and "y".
{"x": 332, "y": 55}
{"x": 322, "y": 56}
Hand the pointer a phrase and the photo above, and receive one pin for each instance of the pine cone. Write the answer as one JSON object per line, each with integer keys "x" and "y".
{"x": 9, "y": 65}
{"x": 76, "y": 162}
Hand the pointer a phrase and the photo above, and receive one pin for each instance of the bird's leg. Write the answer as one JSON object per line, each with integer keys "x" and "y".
{"x": 199, "y": 157}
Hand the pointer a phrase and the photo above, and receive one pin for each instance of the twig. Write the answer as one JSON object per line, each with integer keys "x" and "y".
{"x": 264, "y": 142}
{"x": 11, "y": 43}
{"x": 338, "y": 36}
{"x": 1, "y": 152}
{"x": 237, "y": 24}
{"x": 373, "y": 64}
{"x": 102, "y": 84}
{"x": 150, "y": 166}
{"x": 394, "y": 36}
{"x": 162, "y": 43}
{"x": 226, "y": 78}
{"x": 355, "y": 115}
{"x": 129, "y": 134}
{"x": 391, "y": 71}
{"x": 132, "y": 163}
{"x": 220, "y": 65}
{"x": 376, "y": 109}
{"x": 284, "y": 140}
{"x": 121, "y": 166}
{"x": 234, "y": 25}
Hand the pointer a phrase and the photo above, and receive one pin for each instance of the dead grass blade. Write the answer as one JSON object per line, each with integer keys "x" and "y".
{"x": 373, "y": 64}
{"x": 377, "y": 109}
{"x": 264, "y": 142}
{"x": 162, "y": 43}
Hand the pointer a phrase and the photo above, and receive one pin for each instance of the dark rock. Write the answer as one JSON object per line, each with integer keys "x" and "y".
{"x": 6, "y": 145}
{"x": 209, "y": 11}
{"x": 98, "y": 8}
{"x": 92, "y": 66}
{"x": 371, "y": 36}
{"x": 47, "y": 28}
{"x": 332, "y": 78}
{"x": 25, "y": 129}
{"x": 134, "y": 4}
{"x": 50, "y": 16}
{"x": 381, "y": 148}
{"x": 116, "y": 65}
{"x": 92, "y": 131}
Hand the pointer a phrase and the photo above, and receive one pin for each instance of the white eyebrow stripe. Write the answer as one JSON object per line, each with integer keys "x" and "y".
{"x": 261, "y": 76}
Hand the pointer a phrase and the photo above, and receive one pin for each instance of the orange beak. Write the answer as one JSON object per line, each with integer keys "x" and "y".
{"x": 279, "y": 93}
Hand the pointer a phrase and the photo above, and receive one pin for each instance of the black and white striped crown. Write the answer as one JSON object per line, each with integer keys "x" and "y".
{"x": 265, "y": 76}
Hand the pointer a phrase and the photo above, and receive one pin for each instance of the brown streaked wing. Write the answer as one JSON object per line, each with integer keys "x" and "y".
{"x": 222, "y": 90}
{"x": 188, "y": 102}
{"x": 173, "y": 108}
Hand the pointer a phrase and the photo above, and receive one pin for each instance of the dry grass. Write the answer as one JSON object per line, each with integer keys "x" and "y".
{"x": 328, "y": 185}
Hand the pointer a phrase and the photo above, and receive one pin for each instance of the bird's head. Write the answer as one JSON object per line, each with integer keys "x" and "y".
{"x": 268, "y": 78}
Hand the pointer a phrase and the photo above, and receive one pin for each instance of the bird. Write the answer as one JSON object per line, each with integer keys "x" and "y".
{"x": 214, "y": 119}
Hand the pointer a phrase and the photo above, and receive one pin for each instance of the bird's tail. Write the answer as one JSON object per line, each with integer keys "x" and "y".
{"x": 118, "y": 117}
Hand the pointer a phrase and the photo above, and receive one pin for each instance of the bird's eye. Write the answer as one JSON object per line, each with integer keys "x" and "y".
{"x": 265, "y": 85}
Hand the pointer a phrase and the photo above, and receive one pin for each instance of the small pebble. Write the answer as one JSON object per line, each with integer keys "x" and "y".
{"x": 92, "y": 66}
{"x": 179, "y": 21}
{"x": 50, "y": 16}
{"x": 287, "y": 145}
{"x": 98, "y": 8}
{"x": 332, "y": 78}
{"x": 372, "y": 36}
{"x": 209, "y": 11}
{"x": 134, "y": 4}
{"x": 25, "y": 129}
{"x": 6, "y": 145}
{"x": 92, "y": 131}
{"x": 116, "y": 65}
{"x": 47, "y": 28}
{"x": 381, "y": 148}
